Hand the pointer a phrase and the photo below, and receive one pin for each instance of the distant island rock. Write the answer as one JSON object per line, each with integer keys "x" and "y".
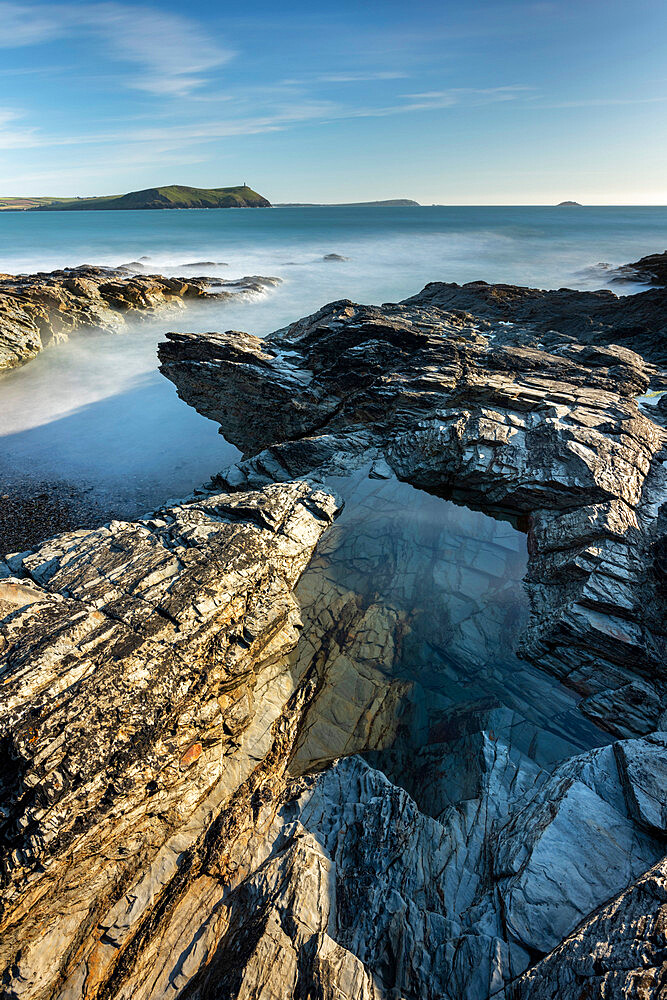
{"x": 174, "y": 196}
{"x": 390, "y": 203}
{"x": 569, "y": 204}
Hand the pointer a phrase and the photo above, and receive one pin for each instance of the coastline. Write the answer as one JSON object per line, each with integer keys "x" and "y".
{"x": 43, "y": 506}
{"x": 272, "y": 682}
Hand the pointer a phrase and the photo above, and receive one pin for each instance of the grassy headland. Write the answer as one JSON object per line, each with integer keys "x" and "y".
{"x": 173, "y": 196}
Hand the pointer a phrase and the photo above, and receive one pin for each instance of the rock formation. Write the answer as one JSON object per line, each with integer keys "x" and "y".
{"x": 39, "y": 309}
{"x": 651, "y": 269}
{"x": 379, "y": 713}
{"x": 521, "y": 416}
{"x": 146, "y": 714}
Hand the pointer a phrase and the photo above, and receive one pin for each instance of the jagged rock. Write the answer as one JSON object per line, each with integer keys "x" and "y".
{"x": 618, "y": 953}
{"x": 146, "y": 700}
{"x": 418, "y": 905}
{"x": 651, "y": 270}
{"x": 185, "y": 811}
{"x": 38, "y": 309}
{"x": 515, "y": 416}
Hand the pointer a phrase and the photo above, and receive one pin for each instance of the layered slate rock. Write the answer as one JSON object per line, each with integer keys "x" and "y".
{"x": 650, "y": 270}
{"x": 515, "y": 401}
{"x": 349, "y": 887}
{"x": 246, "y": 759}
{"x": 38, "y": 309}
{"x": 618, "y": 952}
{"x": 455, "y": 899}
{"x": 148, "y": 708}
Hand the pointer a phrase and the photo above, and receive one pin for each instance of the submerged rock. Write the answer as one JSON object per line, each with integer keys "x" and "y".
{"x": 39, "y": 309}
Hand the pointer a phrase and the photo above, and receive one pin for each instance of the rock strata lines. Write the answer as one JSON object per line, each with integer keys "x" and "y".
{"x": 40, "y": 309}
{"x": 506, "y": 415}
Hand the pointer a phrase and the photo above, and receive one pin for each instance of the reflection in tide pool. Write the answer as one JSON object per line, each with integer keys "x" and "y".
{"x": 419, "y": 606}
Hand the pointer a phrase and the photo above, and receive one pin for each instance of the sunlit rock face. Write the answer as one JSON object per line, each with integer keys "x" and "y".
{"x": 146, "y": 700}
{"x": 510, "y": 400}
{"x": 41, "y": 309}
{"x": 305, "y": 733}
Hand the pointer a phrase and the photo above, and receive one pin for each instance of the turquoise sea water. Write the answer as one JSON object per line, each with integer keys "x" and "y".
{"x": 392, "y": 251}
{"x": 96, "y": 413}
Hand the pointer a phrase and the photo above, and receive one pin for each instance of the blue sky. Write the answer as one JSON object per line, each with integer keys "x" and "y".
{"x": 449, "y": 102}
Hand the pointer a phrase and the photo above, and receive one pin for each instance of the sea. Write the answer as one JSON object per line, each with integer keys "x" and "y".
{"x": 95, "y": 415}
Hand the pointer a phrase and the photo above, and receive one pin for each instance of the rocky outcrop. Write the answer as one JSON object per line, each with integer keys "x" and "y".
{"x": 617, "y": 953}
{"x": 510, "y": 400}
{"x": 146, "y": 710}
{"x": 451, "y": 900}
{"x": 165, "y": 833}
{"x": 39, "y": 309}
{"x": 255, "y": 754}
{"x": 650, "y": 270}
{"x": 348, "y": 887}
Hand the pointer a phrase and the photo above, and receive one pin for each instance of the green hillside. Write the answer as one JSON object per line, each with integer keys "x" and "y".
{"x": 174, "y": 196}
{"x": 24, "y": 204}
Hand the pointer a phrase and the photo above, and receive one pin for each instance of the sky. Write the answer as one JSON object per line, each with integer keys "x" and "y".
{"x": 448, "y": 102}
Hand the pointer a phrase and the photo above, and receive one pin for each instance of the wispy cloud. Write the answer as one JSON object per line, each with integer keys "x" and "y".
{"x": 469, "y": 95}
{"x": 276, "y": 116}
{"x": 172, "y": 55}
{"x": 605, "y": 102}
{"x": 23, "y": 24}
{"x": 175, "y": 135}
{"x": 361, "y": 77}
{"x": 13, "y": 134}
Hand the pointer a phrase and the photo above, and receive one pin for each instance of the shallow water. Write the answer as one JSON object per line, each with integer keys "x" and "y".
{"x": 427, "y": 603}
{"x": 96, "y": 413}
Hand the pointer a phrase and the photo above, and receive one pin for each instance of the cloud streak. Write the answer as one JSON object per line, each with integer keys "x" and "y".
{"x": 172, "y": 55}
{"x": 275, "y": 118}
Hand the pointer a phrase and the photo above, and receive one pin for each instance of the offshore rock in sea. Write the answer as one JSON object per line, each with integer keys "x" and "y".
{"x": 514, "y": 401}
{"x": 39, "y": 309}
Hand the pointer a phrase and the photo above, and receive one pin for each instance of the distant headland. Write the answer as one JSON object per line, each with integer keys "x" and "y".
{"x": 569, "y": 204}
{"x": 389, "y": 203}
{"x": 174, "y": 196}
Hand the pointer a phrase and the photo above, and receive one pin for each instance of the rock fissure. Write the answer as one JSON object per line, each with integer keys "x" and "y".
{"x": 252, "y": 751}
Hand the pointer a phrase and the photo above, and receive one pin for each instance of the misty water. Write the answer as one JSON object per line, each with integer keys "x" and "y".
{"x": 96, "y": 414}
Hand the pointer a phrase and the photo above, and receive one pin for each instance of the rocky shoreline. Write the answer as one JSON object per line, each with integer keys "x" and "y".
{"x": 255, "y": 747}
{"x": 41, "y": 309}
{"x": 524, "y": 416}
